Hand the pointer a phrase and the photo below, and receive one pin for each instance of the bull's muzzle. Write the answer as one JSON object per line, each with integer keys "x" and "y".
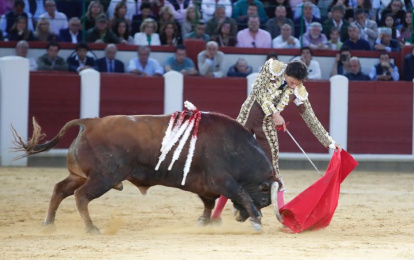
{"x": 273, "y": 195}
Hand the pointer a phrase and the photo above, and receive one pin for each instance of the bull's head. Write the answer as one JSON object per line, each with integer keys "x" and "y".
{"x": 263, "y": 196}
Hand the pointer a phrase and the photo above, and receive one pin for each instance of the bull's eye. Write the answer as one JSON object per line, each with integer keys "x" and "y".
{"x": 264, "y": 202}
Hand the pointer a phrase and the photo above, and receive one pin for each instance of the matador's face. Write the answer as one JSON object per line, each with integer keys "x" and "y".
{"x": 292, "y": 82}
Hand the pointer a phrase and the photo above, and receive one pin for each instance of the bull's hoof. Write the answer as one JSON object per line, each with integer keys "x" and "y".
{"x": 237, "y": 215}
{"x": 216, "y": 221}
{"x": 119, "y": 186}
{"x": 49, "y": 227}
{"x": 203, "y": 221}
{"x": 257, "y": 225}
{"x": 93, "y": 230}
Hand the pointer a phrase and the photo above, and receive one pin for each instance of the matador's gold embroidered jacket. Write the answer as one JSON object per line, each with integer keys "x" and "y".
{"x": 272, "y": 99}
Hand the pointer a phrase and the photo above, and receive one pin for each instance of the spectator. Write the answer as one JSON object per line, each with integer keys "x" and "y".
{"x": 408, "y": 68}
{"x": 334, "y": 43}
{"x": 252, "y": 10}
{"x": 121, "y": 30}
{"x": 130, "y": 8}
{"x": 396, "y": 9}
{"x": 389, "y": 23}
{"x": 19, "y": 30}
{"x": 199, "y": 33}
{"x": 8, "y": 19}
{"x": 366, "y": 7}
{"x": 271, "y": 5}
{"x": 297, "y": 14}
{"x": 167, "y": 15}
{"x": 314, "y": 69}
{"x": 253, "y": 36}
{"x": 341, "y": 65}
{"x": 213, "y": 25}
{"x": 119, "y": 15}
{"x": 180, "y": 62}
{"x": 138, "y": 18}
{"x": 191, "y": 18}
{"x": 80, "y": 61}
{"x": 240, "y": 69}
{"x": 354, "y": 42}
{"x": 224, "y": 37}
{"x": 148, "y": 35}
{"x": 51, "y": 61}
{"x": 100, "y": 33}
{"x": 95, "y": 8}
{"x": 302, "y": 23}
{"x": 406, "y": 30}
{"x": 348, "y": 10}
{"x": 355, "y": 71}
{"x": 241, "y": 11}
{"x": 274, "y": 25}
{"x": 57, "y": 20}
{"x": 368, "y": 29}
{"x": 384, "y": 41}
{"x": 22, "y": 47}
{"x": 285, "y": 40}
{"x": 384, "y": 70}
{"x": 179, "y": 8}
{"x": 337, "y": 21}
{"x": 169, "y": 35}
{"x": 314, "y": 38}
{"x": 144, "y": 65}
{"x": 209, "y": 8}
{"x": 109, "y": 63}
{"x": 211, "y": 61}
{"x": 43, "y": 33}
{"x": 73, "y": 34}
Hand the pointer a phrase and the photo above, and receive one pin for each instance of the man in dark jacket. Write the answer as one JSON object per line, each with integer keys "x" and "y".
{"x": 109, "y": 63}
{"x": 72, "y": 34}
{"x": 51, "y": 61}
{"x": 308, "y": 18}
{"x": 408, "y": 69}
{"x": 10, "y": 17}
{"x": 100, "y": 33}
{"x": 80, "y": 61}
{"x": 338, "y": 12}
{"x": 355, "y": 71}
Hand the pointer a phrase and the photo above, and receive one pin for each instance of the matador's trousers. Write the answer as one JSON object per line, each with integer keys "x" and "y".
{"x": 254, "y": 120}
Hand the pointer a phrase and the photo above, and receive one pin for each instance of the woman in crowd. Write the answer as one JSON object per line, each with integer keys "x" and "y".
{"x": 167, "y": 15}
{"x": 19, "y": 30}
{"x": 224, "y": 38}
{"x": 390, "y": 23}
{"x": 406, "y": 31}
{"x": 95, "y": 8}
{"x": 169, "y": 35}
{"x": 148, "y": 35}
{"x": 190, "y": 17}
{"x": 119, "y": 15}
{"x": 43, "y": 32}
{"x": 396, "y": 9}
{"x": 121, "y": 29}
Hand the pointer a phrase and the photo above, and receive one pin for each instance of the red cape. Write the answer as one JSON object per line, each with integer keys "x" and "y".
{"x": 315, "y": 206}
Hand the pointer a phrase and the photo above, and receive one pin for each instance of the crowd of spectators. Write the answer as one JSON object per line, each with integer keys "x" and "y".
{"x": 308, "y": 25}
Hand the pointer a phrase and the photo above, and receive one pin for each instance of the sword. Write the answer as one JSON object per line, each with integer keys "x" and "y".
{"x": 294, "y": 140}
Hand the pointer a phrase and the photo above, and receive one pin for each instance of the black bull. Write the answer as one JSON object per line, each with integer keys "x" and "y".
{"x": 227, "y": 161}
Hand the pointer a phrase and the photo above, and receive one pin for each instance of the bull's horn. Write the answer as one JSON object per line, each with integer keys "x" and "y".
{"x": 273, "y": 196}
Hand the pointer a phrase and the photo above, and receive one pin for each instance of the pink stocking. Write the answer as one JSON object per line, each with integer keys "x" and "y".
{"x": 219, "y": 208}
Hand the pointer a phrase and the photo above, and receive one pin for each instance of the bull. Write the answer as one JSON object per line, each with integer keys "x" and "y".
{"x": 227, "y": 161}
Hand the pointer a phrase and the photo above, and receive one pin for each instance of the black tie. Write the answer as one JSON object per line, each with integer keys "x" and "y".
{"x": 111, "y": 67}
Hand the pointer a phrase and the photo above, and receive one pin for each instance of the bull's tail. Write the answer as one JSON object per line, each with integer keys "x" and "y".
{"x": 32, "y": 146}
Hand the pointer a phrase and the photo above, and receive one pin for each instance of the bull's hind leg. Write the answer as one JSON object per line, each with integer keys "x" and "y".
{"x": 62, "y": 190}
{"x": 92, "y": 189}
{"x": 204, "y": 219}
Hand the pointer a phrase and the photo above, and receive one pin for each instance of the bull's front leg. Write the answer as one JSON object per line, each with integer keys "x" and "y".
{"x": 204, "y": 219}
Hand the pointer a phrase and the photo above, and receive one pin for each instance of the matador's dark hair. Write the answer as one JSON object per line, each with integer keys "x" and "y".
{"x": 297, "y": 69}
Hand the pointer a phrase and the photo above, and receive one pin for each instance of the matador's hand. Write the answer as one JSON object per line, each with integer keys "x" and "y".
{"x": 278, "y": 121}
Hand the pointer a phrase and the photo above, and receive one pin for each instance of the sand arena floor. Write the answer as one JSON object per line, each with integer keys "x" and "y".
{"x": 374, "y": 220}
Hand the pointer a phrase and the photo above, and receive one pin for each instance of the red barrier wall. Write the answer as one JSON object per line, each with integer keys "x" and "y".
{"x": 319, "y": 97}
{"x": 380, "y": 117}
{"x": 224, "y": 95}
{"x": 54, "y": 99}
{"x": 126, "y": 94}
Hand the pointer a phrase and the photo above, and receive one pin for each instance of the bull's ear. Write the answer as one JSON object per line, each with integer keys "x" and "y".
{"x": 264, "y": 187}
